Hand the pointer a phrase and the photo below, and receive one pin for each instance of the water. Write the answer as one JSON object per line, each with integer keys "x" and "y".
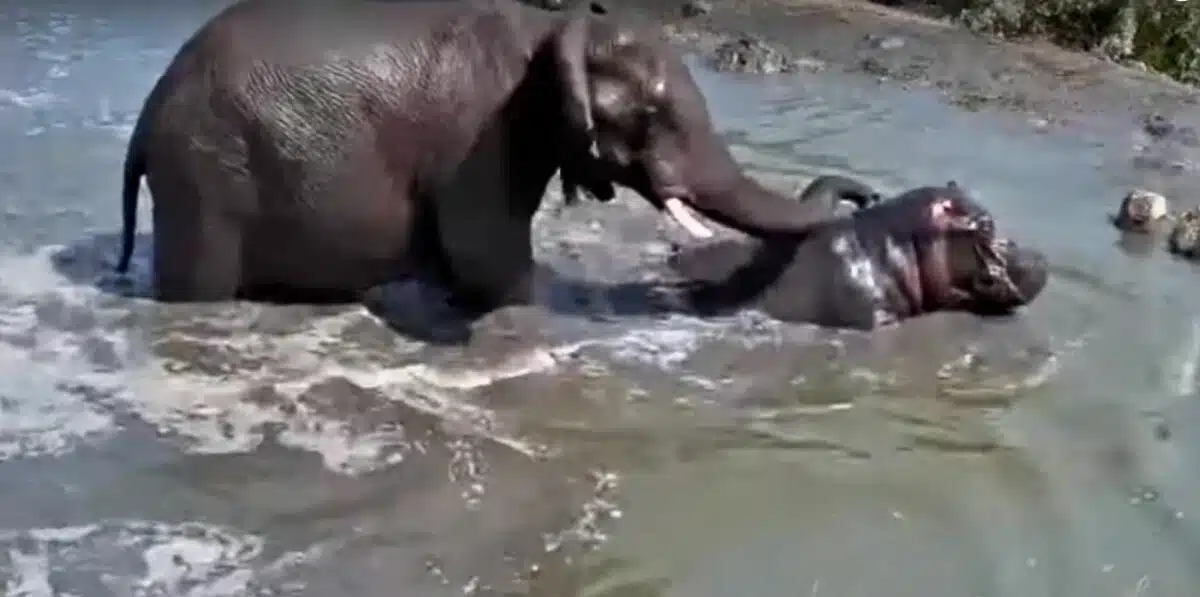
{"x": 253, "y": 450}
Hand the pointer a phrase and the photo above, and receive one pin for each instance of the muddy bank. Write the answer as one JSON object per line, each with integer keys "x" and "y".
{"x": 1157, "y": 34}
{"x": 898, "y": 47}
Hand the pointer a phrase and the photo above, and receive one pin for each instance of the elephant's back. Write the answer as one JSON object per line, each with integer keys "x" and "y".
{"x": 312, "y": 33}
{"x": 324, "y": 77}
{"x": 436, "y": 59}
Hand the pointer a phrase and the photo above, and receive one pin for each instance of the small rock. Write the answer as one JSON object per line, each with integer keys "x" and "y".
{"x": 1140, "y": 210}
{"x": 747, "y": 54}
{"x": 695, "y": 8}
{"x": 1184, "y": 240}
{"x": 1160, "y": 127}
{"x": 1157, "y": 125}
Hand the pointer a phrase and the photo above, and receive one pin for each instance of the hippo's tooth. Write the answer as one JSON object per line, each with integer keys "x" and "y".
{"x": 684, "y": 216}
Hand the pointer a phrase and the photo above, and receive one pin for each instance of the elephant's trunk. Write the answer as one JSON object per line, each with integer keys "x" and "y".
{"x": 714, "y": 184}
{"x": 748, "y": 206}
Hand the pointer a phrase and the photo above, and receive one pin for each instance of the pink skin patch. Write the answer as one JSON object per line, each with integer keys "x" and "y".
{"x": 947, "y": 214}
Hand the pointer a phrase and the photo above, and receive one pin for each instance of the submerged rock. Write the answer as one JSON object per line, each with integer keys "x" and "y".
{"x": 1159, "y": 127}
{"x": 749, "y": 54}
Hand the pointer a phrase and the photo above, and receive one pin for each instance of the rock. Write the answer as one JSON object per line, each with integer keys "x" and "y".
{"x": 748, "y": 54}
{"x": 1141, "y": 211}
{"x": 695, "y": 8}
{"x": 1185, "y": 235}
{"x": 1156, "y": 125}
{"x": 1159, "y": 127}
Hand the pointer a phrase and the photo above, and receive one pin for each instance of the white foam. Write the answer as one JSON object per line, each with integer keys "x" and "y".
{"x": 215, "y": 416}
{"x": 214, "y": 412}
{"x": 39, "y": 416}
{"x": 130, "y": 557}
{"x": 26, "y": 98}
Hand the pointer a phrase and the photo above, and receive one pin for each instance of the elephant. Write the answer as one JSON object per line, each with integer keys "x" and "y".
{"x": 306, "y": 150}
{"x": 928, "y": 249}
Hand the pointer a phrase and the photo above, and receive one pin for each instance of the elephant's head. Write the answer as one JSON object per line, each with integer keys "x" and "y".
{"x": 633, "y": 101}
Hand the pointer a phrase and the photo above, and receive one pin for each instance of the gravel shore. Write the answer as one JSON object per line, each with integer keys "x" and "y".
{"x": 1054, "y": 87}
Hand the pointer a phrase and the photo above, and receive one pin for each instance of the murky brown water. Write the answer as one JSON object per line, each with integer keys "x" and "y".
{"x": 253, "y": 450}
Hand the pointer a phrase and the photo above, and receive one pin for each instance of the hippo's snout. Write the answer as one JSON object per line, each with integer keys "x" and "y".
{"x": 1026, "y": 271}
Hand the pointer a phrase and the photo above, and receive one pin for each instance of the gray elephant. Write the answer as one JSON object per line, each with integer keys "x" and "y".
{"x": 928, "y": 249}
{"x": 306, "y": 150}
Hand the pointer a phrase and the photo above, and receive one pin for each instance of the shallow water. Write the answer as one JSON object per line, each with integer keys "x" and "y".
{"x": 253, "y": 450}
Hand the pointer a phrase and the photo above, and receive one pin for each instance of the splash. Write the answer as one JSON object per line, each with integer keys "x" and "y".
{"x": 133, "y": 557}
{"x": 224, "y": 379}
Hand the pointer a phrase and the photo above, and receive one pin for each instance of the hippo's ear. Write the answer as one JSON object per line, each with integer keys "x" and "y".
{"x": 571, "y": 49}
{"x": 952, "y": 184}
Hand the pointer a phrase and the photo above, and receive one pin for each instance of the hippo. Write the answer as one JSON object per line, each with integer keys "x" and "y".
{"x": 928, "y": 249}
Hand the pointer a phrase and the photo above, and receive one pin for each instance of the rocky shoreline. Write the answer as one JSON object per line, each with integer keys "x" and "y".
{"x": 1052, "y": 85}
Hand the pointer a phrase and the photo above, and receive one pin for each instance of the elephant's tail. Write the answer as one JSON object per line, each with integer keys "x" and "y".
{"x": 135, "y": 167}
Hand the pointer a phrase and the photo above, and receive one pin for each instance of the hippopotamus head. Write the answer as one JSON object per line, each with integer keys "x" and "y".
{"x": 929, "y": 249}
{"x": 956, "y": 260}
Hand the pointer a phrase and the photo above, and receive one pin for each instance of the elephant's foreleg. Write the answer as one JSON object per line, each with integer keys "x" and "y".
{"x": 487, "y": 259}
{"x": 483, "y": 231}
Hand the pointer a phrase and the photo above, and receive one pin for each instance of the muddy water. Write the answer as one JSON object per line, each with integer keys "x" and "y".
{"x": 251, "y": 450}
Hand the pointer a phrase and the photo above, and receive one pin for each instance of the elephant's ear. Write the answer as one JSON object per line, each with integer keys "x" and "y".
{"x": 571, "y": 55}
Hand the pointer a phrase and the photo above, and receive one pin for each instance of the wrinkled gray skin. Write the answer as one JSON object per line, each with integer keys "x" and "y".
{"x": 928, "y": 249}
{"x": 306, "y": 150}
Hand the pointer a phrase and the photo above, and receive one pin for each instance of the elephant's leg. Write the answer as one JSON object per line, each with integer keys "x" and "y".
{"x": 484, "y": 218}
{"x": 197, "y": 252}
{"x": 487, "y": 262}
